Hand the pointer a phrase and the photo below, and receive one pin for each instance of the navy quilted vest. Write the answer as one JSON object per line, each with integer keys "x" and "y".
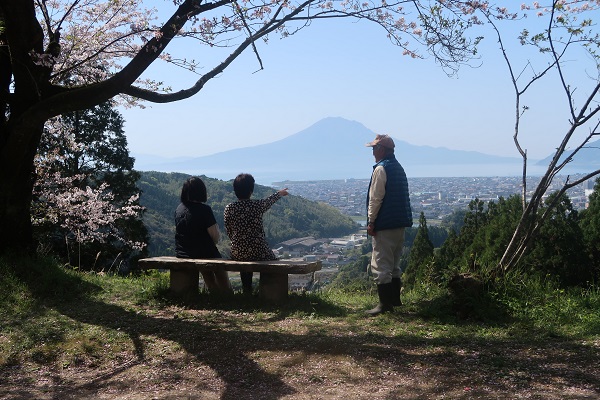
{"x": 395, "y": 210}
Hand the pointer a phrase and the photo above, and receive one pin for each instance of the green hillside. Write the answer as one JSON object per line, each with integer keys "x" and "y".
{"x": 291, "y": 217}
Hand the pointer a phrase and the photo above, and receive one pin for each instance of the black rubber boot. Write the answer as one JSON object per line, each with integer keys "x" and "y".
{"x": 396, "y": 285}
{"x": 385, "y": 293}
{"x": 246, "y": 278}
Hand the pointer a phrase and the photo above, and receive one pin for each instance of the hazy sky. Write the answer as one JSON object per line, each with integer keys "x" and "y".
{"x": 350, "y": 70}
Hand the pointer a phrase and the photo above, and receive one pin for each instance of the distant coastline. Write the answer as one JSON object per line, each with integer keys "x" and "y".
{"x": 270, "y": 177}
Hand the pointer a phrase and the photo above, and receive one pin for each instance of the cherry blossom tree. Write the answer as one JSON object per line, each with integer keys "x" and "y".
{"x": 58, "y": 56}
{"x": 85, "y": 199}
{"x": 83, "y": 215}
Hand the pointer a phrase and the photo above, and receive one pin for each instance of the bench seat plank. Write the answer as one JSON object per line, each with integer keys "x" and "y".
{"x": 217, "y": 264}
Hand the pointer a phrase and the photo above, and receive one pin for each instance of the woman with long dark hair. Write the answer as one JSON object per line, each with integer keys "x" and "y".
{"x": 197, "y": 232}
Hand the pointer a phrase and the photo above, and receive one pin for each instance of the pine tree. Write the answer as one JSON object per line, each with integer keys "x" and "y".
{"x": 421, "y": 253}
{"x": 559, "y": 249}
{"x": 590, "y": 226}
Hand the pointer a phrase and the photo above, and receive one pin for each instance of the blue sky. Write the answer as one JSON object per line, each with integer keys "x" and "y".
{"x": 348, "y": 69}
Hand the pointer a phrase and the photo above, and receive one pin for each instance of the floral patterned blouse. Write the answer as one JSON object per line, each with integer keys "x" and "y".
{"x": 244, "y": 225}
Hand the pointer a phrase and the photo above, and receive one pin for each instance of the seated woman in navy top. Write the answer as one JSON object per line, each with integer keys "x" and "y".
{"x": 197, "y": 232}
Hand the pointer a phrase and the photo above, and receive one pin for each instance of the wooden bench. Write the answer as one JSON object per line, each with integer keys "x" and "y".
{"x": 273, "y": 286}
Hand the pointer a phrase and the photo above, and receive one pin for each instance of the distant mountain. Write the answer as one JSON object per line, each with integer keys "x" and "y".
{"x": 586, "y": 160}
{"x": 334, "y": 148}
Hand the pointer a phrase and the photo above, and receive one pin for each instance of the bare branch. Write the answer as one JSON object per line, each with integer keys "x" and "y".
{"x": 241, "y": 14}
{"x": 583, "y": 179}
{"x": 558, "y": 66}
{"x": 518, "y": 111}
{"x": 570, "y": 157}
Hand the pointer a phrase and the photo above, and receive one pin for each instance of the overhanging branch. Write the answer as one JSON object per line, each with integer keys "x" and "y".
{"x": 191, "y": 91}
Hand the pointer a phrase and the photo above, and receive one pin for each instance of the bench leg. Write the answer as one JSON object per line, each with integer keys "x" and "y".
{"x": 273, "y": 286}
{"x": 184, "y": 282}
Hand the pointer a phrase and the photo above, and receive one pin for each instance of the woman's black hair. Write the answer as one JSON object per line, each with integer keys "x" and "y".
{"x": 193, "y": 191}
{"x": 243, "y": 186}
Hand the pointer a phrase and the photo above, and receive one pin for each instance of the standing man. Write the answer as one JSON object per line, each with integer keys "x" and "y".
{"x": 388, "y": 214}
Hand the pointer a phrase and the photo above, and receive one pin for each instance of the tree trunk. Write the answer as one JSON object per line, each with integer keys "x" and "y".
{"x": 16, "y": 185}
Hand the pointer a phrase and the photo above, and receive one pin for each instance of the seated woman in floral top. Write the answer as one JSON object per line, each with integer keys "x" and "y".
{"x": 244, "y": 225}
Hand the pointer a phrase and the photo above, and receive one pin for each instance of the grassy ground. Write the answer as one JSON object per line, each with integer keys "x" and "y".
{"x": 65, "y": 334}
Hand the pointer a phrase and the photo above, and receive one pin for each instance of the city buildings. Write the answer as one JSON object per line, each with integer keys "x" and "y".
{"x": 435, "y": 197}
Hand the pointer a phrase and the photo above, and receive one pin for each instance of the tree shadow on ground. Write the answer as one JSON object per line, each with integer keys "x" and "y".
{"x": 403, "y": 365}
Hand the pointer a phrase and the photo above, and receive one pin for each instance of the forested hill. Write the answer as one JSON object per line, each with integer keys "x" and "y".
{"x": 290, "y": 217}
